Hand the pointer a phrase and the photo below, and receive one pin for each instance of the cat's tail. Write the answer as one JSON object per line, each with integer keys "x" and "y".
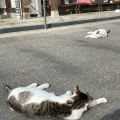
{"x": 108, "y": 31}
{"x": 7, "y": 88}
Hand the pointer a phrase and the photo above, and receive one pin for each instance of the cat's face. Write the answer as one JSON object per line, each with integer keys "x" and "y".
{"x": 80, "y": 99}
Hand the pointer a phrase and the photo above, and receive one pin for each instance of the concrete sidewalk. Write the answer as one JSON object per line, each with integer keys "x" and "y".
{"x": 14, "y": 25}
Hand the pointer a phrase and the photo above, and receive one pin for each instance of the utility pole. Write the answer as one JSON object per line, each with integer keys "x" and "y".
{"x": 45, "y": 22}
{"x": 54, "y": 8}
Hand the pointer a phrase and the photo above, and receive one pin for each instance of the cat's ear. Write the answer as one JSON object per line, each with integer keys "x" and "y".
{"x": 76, "y": 90}
{"x": 87, "y": 93}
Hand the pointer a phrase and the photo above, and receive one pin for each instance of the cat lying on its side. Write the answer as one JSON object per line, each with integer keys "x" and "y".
{"x": 100, "y": 33}
{"x": 33, "y": 100}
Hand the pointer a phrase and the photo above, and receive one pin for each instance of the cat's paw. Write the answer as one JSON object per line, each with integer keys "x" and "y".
{"x": 68, "y": 93}
{"x": 33, "y": 85}
{"x": 86, "y": 36}
{"x": 104, "y": 100}
{"x": 89, "y": 32}
{"x": 43, "y": 86}
{"x": 46, "y": 85}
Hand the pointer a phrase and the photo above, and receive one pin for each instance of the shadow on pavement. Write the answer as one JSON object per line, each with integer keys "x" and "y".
{"x": 113, "y": 116}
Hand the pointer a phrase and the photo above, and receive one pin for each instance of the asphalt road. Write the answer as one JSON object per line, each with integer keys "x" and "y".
{"x": 63, "y": 57}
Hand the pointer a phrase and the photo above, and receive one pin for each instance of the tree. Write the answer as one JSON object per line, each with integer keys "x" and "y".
{"x": 54, "y": 8}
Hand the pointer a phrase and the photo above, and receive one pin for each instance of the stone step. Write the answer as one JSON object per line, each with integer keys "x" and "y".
{"x": 3, "y": 16}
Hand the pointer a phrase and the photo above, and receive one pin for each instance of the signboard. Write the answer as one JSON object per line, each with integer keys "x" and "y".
{"x": 18, "y": 8}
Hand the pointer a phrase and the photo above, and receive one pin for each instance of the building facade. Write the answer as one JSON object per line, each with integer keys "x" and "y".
{"x": 23, "y": 9}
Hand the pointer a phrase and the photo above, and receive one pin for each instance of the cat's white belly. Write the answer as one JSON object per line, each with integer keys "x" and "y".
{"x": 97, "y": 34}
{"x": 38, "y": 95}
{"x": 43, "y": 96}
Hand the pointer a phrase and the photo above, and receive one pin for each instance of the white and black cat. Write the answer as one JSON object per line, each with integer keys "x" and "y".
{"x": 33, "y": 100}
{"x": 100, "y": 33}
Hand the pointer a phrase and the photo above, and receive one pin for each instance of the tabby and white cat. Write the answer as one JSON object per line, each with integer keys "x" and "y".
{"x": 33, "y": 100}
{"x": 100, "y": 33}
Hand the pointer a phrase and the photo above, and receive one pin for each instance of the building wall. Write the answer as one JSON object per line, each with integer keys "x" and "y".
{"x": 38, "y": 8}
{"x": 11, "y": 10}
{"x": 2, "y": 4}
{"x": 3, "y": 13}
{"x": 35, "y": 7}
{"x": 13, "y": 3}
{"x": 32, "y": 10}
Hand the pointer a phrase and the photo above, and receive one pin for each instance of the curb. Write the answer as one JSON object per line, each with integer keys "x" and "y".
{"x": 51, "y": 25}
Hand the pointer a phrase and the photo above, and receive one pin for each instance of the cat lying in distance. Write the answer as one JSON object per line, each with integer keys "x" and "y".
{"x": 100, "y": 33}
{"x": 33, "y": 100}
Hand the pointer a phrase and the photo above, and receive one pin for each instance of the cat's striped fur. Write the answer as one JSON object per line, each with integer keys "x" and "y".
{"x": 76, "y": 102}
